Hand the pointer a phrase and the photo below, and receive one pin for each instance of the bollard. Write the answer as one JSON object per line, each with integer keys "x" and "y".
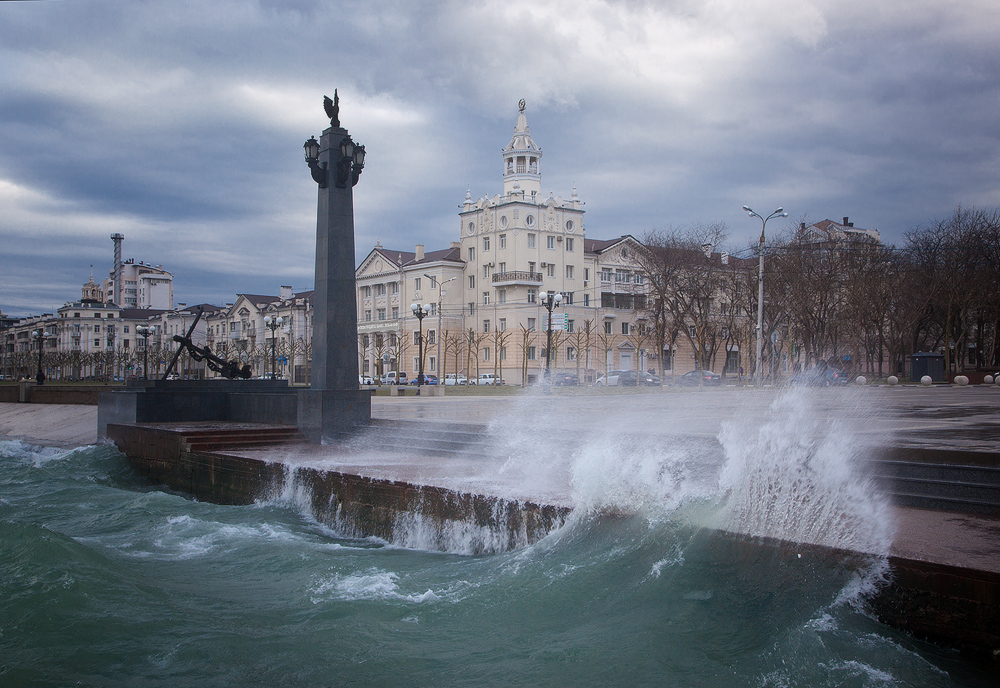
{"x": 861, "y": 380}
{"x": 926, "y": 380}
{"x": 961, "y": 380}
{"x": 892, "y": 380}
{"x": 988, "y": 380}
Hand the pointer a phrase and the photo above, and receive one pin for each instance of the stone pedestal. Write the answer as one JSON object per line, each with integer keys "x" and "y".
{"x": 332, "y": 413}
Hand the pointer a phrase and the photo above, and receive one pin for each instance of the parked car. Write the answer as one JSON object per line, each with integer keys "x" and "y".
{"x": 699, "y": 377}
{"x": 488, "y": 379}
{"x": 610, "y": 379}
{"x": 632, "y": 378}
{"x": 394, "y": 378}
{"x": 428, "y": 379}
{"x": 565, "y": 379}
{"x": 455, "y": 379}
{"x": 364, "y": 380}
{"x": 819, "y": 377}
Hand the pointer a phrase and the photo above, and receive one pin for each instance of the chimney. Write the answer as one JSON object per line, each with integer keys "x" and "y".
{"x": 286, "y": 292}
{"x": 117, "y": 285}
{"x": 456, "y": 244}
{"x": 845, "y": 222}
{"x": 420, "y": 251}
{"x": 802, "y": 226}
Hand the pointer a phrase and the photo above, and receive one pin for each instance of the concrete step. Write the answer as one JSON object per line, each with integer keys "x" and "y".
{"x": 965, "y": 488}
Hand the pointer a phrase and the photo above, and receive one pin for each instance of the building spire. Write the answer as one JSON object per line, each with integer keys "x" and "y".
{"x": 522, "y": 174}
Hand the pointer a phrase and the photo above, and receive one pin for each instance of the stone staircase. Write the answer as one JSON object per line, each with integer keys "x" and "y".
{"x": 224, "y": 439}
{"x": 964, "y": 482}
{"x": 418, "y": 437}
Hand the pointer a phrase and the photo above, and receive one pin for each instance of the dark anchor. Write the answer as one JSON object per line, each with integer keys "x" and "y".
{"x": 229, "y": 369}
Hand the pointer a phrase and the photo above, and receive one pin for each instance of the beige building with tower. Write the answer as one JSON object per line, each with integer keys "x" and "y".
{"x": 483, "y": 290}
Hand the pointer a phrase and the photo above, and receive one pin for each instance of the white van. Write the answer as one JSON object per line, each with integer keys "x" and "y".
{"x": 394, "y": 378}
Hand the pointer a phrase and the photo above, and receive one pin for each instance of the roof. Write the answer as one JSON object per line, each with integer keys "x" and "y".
{"x": 408, "y": 258}
{"x": 139, "y": 313}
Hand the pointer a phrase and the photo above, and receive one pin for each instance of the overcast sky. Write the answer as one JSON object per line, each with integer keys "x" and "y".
{"x": 180, "y": 124}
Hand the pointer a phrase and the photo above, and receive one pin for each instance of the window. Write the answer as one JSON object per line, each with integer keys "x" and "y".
{"x": 567, "y": 298}
{"x": 586, "y": 299}
{"x": 472, "y": 253}
{"x": 486, "y": 243}
{"x": 605, "y": 274}
{"x": 430, "y": 337}
{"x": 379, "y": 290}
{"x": 503, "y": 353}
{"x": 432, "y": 364}
{"x": 550, "y": 242}
{"x": 395, "y": 312}
{"x": 501, "y": 296}
{"x": 570, "y": 353}
{"x": 97, "y": 343}
{"x": 503, "y": 240}
{"x": 416, "y": 284}
{"x": 531, "y": 324}
{"x": 486, "y": 327}
{"x": 569, "y": 240}
{"x": 622, "y": 276}
{"x": 381, "y": 314}
{"x": 416, "y": 362}
{"x": 532, "y": 295}
{"x": 607, "y": 327}
{"x": 368, "y": 315}
{"x": 125, "y": 329}
{"x": 502, "y": 325}
{"x": 569, "y": 272}
{"x": 472, "y": 307}
{"x": 434, "y": 308}
{"x": 692, "y": 331}
{"x": 569, "y": 325}
{"x": 503, "y": 268}
{"x": 486, "y": 298}
{"x": 531, "y": 240}
{"x": 486, "y": 353}
{"x": 97, "y": 328}
{"x": 551, "y": 269}
{"x": 416, "y": 340}
{"x": 393, "y": 287}
{"x": 434, "y": 282}
{"x": 586, "y": 274}
{"x": 625, "y": 328}
{"x": 486, "y": 271}
{"x": 472, "y": 281}
{"x": 532, "y": 353}
{"x": 531, "y": 267}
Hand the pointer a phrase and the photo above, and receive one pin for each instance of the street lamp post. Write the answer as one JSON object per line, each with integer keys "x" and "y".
{"x": 40, "y": 336}
{"x": 550, "y": 300}
{"x": 144, "y": 331}
{"x": 421, "y": 311}
{"x": 441, "y": 293}
{"x": 273, "y": 324}
{"x": 780, "y": 212}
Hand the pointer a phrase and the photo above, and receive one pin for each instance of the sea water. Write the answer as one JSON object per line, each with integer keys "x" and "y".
{"x": 106, "y": 581}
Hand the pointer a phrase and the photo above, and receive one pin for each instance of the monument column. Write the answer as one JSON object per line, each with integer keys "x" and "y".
{"x": 333, "y": 404}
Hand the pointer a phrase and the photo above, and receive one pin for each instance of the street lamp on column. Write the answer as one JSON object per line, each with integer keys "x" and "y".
{"x": 39, "y": 336}
{"x": 421, "y": 311}
{"x": 273, "y": 324}
{"x": 780, "y": 212}
{"x": 441, "y": 294}
{"x": 550, "y": 300}
{"x": 144, "y": 331}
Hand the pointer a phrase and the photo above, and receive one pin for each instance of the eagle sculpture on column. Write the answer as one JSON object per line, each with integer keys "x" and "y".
{"x": 332, "y": 108}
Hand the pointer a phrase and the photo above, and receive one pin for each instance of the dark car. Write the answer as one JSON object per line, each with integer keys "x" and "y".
{"x": 699, "y": 377}
{"x": 632, "y": 378}
{"x": 428, "y": 379}
{"x": 564, "y": 380}
{"x": 819, "y": 377}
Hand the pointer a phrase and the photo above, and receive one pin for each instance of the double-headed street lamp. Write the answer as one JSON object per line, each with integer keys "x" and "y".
{"x": 550, "y": 300}
{"x": 441, "y": 294}
{"x": 780, "y": 212}
{"x": 39, "y": 336}
{"x": 144, "y": 331}
{"x": 273, "y": 324}
{"x": 421, "y": 311}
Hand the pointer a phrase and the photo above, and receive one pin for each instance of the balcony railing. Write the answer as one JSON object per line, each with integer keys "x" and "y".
{"x": 517, "y": 277}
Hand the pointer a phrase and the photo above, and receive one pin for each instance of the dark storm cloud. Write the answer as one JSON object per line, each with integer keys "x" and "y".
{"x": 180, "y": 124}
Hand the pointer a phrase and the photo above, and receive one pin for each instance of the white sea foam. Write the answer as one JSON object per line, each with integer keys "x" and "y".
{"x": 372, "y": 584}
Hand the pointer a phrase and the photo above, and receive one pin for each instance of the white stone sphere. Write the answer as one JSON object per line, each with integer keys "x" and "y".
{"x": 988, "y": 380}
{"x": 860, "y": 379}
{"x": 961, "y": 380}
{"x": 926, "y": 380}
{"x": 892, "y": 380}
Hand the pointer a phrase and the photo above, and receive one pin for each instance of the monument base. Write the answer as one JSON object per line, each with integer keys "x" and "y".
{"x": 332, "y": 413}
